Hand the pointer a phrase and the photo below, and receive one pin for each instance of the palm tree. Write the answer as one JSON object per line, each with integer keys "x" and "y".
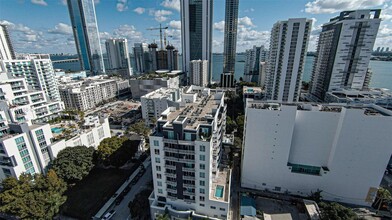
{"x": 382, "y": 195}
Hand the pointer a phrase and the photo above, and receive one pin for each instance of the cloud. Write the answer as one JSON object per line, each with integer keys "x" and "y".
{"x": 386, "y": 13}
{"x": 139, "y": 10}
{"x": 245, "y": 21}
{"x": 61, "y": 28}
{"x": 172, "y": 4}
{"x": 249, "y": 10}
{"x": 175, "y": 24}
{"x": 39, "y": 2}
{"x": 122, "y": 5}
{"x": 160, "y": 15}
{"x": 333, "y": 6}
{"x": 220, "y": 26}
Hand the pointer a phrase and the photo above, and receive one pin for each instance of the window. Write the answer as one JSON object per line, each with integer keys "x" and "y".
{"x": 202, "y": 175}
{"x": 202, "y": 183}
{"x": 202, "y": 148}
{"x": 159, "y": 176}
{"x": 157, "y": 160}
{"x": 201, "y": 204}
{"x": 202, "y": 166}
{"x": 159, "y": 183}
{"x": 202, "y": 198}
{"x": 222, "y": 209}
{"x": 156, "y": 151}
{"x": 160, "y": 191}
{"x": 202, "y": 158}
{"x": 156, "y": 143}
{"x": 170, "y": 134}
{"x": 188, "y": 136}
{"x": 212, "y": 207}
{"x": 158, "y": 168}
{"x": 202, "y": 191}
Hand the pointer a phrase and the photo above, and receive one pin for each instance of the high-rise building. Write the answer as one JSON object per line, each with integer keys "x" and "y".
{"x": 196, "y": 34}
{"x": 85, "y": 30}
{"x": 118, "y": 55}
{"x": 141, "y": 55}
{"x": 38, "y": 71}
{"x": 285, "y": 65}
{"x": 172, "y": 58}
{"x": 198, "y": 72}
{"x": 387, "y": 50}
{"x": 153, "y": 64}
{"x": 253, "y": 57}
{"x": 6, "y": 49}
{"x": 230, "y": 40}
{"x": 294, "y": 148}
{"x": 189, "y": 179}
{"x": 344, "y": 49}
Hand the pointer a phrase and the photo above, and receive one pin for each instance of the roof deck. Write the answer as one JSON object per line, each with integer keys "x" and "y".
{"x": 220, "y": 187}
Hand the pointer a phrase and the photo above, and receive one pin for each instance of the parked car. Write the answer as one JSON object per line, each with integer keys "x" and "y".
{"x": 109, "y": 215}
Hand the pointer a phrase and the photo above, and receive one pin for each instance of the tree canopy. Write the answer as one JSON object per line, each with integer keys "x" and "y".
{"x": 73, "y": 163}
{"x": 108, "y": 146}
{"x": 140, "y": 128}
{"x": 336, "y": 211}
{"x": 33, "y": 197}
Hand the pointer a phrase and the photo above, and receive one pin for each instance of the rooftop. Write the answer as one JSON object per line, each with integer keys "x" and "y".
{"x": 160, "y": 93}
{"x": 219, "y": 180}
{"x": 368, "y": 109}
{"x": 251, "y": 90}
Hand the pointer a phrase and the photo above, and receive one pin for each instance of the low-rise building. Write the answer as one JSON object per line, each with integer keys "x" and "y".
{"x": 145, "y": 84}
{"x": 294, "y": 148}
{"x": 381, "y": 97}
{"x": 189, "y": 180}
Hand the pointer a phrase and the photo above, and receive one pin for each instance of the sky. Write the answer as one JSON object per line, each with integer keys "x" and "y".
{"x": 43, "y": 26}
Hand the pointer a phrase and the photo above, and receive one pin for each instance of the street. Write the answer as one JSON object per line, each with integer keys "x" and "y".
{"x": 122, "y": 210}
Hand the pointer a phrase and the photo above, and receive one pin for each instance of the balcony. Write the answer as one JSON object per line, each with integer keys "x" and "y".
{"x": 171, "y": 175}
{"x": 189, "y": 186}
{"x": 172, "y": 167}
{"x": 184, "y": 160}
{"x": 186, "y": 151}
{"x": 186, "y": 169}
{"x": 171, "y": 190}
{"x": 171, "y": 150}
{"x": 186, "y": 193}
{"x": 189, "y": 200}
{"x": 170, "y": 158}
{"x": 171, "y": 183}
{"x": 188, "y": 177}
{"x": 171, "y": 197}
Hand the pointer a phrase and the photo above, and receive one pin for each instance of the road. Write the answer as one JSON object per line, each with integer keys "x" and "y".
{"x": 235, "y": 189}
{"x": 122, "y": 210}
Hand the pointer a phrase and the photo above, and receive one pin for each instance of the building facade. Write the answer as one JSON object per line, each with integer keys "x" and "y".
{"x": 230, "y": 39}
{"x": 253, "y": 57}
{"x": 142, "y": 86}
{"x": 196, "y": 34}
{"x": 118, "y": 55}
{"x": 38, "y": 71}
{"x": 344, "y": 49}
{"x": 296, "y": 148}
{"x": 285, "y": 65}
{"x": 172, "y": 58}
{"x": 86, "y": 34}
{"x": 155, "y": 102}
{"x": 198, "y": 73}
{"x": 6, "y": 49}
{"x": 189, "y": 180}
{"x": 141, "y": 56}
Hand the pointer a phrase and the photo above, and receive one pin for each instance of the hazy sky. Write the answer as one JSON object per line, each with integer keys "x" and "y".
{"x": 43, "y": 26}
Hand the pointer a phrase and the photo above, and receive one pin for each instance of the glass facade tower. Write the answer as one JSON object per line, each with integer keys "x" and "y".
{"x": 85, "y": 29}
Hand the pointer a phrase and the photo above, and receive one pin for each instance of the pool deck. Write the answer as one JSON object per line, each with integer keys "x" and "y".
{"x": 222, "y": 178}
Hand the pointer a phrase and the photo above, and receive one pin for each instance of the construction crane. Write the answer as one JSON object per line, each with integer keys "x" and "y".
{"x": 160, "y": 32}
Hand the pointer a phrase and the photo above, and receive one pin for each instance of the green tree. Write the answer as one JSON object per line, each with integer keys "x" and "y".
{"x": 163, "y": 217}
{"x": 140, "y": 128}
{"x": 73, "y": 163}
{"x": 230, "y": 125}
{"x": 108, "y": 146}
{"x": 383, "y": 196}
{"x": 139, "y": 205}
{"x": 240, "y": 125}
{"x": 33, "y": 197}
{"x": 336, "y": 211}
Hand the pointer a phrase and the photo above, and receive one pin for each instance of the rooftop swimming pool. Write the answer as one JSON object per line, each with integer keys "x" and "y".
{"x": 57, "y": 130}
{"x": 219, "y": 191}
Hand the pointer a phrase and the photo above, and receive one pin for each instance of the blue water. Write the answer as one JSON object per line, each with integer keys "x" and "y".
{"x": 219, "y": 191}
{"x": 57, "y": 130}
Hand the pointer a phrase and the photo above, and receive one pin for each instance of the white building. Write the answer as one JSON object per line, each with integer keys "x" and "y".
{"x": 253, "y": 57}
{"x": 155, "y": 102}
{"x": 198, "y": 72}
{"x": 344, "y": 49}
{"x": 288, "y": 46}
{"x": 118, "y": 55}
{"x": 89, "y": 92}
{"x": 6, "y": 49}
{"x": 341, "y": 150}
{"x": 262, "y": 74}
{"x": 196, "y": 35}
{"x": 25, "y": 104}
{"x": 38, "y": 71}
{"x": 189, "y": 180}
{"x": 148, "y": 83}
{"x": 381, "y": 97}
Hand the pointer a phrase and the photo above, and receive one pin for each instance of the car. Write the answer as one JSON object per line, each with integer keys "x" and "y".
{"x": 119, "y": 199}
{"x": 109, "y": 215}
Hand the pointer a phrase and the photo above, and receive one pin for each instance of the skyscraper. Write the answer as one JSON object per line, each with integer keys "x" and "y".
{"x": 344, "y": 49}
{"x": 288, "y": 45}
{"x": 253, "y": 57}
{"x": 172, "y": 58}
{"x": 141, "y": 55}
{"x": 196, "y": 34}
{"x": 118, "y": 55}
{"x": 85, "y": 29}
{"x": 230, "y": 41}
{"x": 6, "y": 49}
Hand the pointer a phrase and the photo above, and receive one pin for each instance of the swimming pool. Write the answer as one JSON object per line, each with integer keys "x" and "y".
{"x": 219, "y": 191}
{"x": 57, "y": 130}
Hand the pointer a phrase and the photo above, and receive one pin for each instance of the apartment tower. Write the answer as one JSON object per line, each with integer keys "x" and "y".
{"x": 118, "y": 55}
